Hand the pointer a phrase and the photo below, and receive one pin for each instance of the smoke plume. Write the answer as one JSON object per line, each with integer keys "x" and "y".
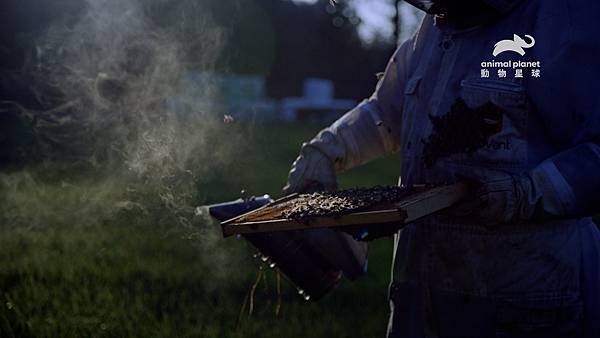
{"x": 119, "y": 131}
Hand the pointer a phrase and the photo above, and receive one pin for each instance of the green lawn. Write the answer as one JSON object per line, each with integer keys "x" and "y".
{"x": 69, "y": 268}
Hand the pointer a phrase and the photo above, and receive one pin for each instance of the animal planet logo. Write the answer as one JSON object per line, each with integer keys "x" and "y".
{"x": 517, "y": 45}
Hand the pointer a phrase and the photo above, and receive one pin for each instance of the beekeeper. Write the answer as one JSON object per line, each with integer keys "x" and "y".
{"x": 521, "y": 257}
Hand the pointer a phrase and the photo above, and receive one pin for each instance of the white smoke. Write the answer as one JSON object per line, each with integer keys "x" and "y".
{"x": 106, "y": 78}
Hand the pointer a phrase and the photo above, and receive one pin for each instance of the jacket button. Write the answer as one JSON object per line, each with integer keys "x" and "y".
{"x": 447, "y": 44}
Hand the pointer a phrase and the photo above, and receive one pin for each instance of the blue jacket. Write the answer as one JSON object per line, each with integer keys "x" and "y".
{"x": 540, "y": 278}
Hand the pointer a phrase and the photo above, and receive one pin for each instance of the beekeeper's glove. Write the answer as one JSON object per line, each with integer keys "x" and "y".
{"x": 311, "y": 171}
{"x": 499, "y": 198}
{"x": 355, "y": 138}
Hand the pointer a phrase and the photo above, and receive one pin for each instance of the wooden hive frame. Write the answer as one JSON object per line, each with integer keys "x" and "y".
{"x": 420, "y": 204}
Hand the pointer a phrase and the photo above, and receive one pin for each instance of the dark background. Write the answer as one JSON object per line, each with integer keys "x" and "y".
{"x": 100, "y": 230}
{"x": 284, "y": 41}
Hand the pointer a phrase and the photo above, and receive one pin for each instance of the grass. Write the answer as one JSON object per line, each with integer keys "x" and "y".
{"x": 137, "y": 275}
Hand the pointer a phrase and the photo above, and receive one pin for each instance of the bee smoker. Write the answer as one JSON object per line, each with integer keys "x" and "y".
{"x": 314, "y": 260}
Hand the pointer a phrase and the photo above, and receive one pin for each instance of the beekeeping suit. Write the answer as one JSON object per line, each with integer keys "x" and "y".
{"x": 521, "y": 258}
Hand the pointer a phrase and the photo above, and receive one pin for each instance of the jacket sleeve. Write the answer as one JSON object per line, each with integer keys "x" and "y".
{"x": 372, "y": 129}
{"x": 567, "y": 97}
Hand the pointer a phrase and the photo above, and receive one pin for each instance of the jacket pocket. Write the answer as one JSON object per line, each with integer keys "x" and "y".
{"x": 506, "y": 149}
{"x": 548, "y": 316}
{"x": 493, "y": 85}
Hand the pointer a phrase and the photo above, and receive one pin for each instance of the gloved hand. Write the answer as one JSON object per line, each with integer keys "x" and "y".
{"x": 311, "y": 171}
{"x": 355, "y": 138}
{"x": 499, "y": 198}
